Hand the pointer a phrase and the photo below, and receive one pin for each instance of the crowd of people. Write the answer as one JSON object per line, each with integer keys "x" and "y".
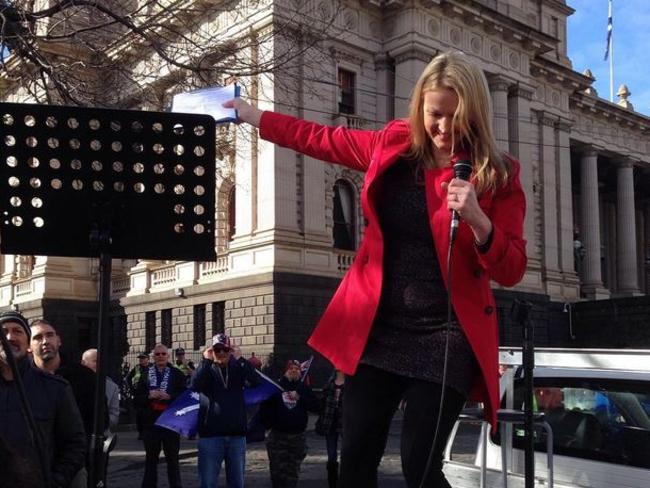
{"x": 61, "y": 396}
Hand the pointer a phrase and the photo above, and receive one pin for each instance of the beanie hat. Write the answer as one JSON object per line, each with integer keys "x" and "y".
{"x": 12, "y": 316}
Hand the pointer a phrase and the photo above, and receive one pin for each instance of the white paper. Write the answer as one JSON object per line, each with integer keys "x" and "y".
{"x": 207, "y": 101}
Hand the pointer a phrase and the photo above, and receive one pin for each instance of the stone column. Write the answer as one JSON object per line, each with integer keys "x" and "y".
{"x": 385, "y": 74}
{"x": 592, "y": 283}
{"x": 565, "y": 212}
{"x": 520, "y": 131}
{"x": 499, "y": 93}
{"x": 550, "y": 214}
{"x": 409, "y": 64}
{"x": 626, "y": 231}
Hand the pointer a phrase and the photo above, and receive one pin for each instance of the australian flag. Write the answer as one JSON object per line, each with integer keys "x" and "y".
{"x": 257, "y": 394}
{"x": 610, "y": 28}
{"x": 182, "y": 416}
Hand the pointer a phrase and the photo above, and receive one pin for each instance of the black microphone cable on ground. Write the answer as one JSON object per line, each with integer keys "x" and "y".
{"x": 462, "y": 170}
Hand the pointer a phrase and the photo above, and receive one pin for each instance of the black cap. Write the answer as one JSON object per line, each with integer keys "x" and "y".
{"x": 143, "y": 355}
{"x": 180, "y": 350}
{"x": 12, "y": 316}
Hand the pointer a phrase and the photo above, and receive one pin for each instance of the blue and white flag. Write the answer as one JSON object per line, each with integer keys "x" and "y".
{"x": 610, "y": 28}
{"x": 257, "y": 394}
{"x": 182, "y": 416}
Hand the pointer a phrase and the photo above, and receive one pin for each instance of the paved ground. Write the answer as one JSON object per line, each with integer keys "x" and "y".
{"x": 127, "y": 463}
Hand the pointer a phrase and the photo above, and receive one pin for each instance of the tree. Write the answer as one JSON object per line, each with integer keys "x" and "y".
{"x": 134, "y": 53}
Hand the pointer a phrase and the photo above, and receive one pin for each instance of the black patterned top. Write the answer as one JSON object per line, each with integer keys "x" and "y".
{"x": 408, "y": 334}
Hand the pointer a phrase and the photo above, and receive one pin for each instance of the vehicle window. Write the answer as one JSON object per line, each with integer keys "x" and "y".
{"x": 605, "y": 420}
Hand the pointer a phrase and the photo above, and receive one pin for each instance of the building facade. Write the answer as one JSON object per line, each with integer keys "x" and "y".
{"x": 287, "y": 226}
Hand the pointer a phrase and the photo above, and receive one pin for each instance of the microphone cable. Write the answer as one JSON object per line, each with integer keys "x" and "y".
{"x": 429, "y": 464}
{"x": 462, "y": 170}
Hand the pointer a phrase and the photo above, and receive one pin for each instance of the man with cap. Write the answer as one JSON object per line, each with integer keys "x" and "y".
{"x": 220, "y": 378}
{"x": 132, "y": 380}
{"x": 286, "y": 415}
{"x": 181, "y": 362}
{"x": 52, "y": 403}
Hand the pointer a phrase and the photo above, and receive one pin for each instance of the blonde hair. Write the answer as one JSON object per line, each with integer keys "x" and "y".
{"x": 471, "y": 121}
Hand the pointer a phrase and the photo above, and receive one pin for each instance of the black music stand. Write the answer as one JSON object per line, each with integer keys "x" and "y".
{"x": 85, "y": 182}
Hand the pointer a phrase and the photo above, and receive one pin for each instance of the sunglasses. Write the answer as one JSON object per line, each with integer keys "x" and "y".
{"x": 221, "y": 349}
{"x": 160, "y": 354}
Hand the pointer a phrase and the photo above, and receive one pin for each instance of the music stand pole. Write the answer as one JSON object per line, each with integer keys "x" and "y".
{"x": 521, "y": 309}
{"x": 97, "y": 473}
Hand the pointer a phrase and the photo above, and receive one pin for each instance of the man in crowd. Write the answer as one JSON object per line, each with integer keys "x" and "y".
{"x": 45, "y": 346}
{"x": 157, "y": 388}
{"x": 286, "y": 415}
{"x": 132, "y": 380}
{"x": 51, "y": 401}
{"x": 255, "y": 361}
{"x": 181, "y": 362}
{"x": 46, "y": 353}
{"x": 220, "y": 378}
{"x": 89, "y": 360}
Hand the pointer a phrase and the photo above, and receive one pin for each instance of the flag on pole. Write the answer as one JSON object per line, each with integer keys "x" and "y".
{"x": 610, "y": 27}
{"x": 304, "y": 368}
{"x": 257, "y": 394}
{"x": 182, "y": 416}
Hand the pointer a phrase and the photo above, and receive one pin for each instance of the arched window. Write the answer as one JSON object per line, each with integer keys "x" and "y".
{"x": 344, "y": 221}
{"x": 231, "y": 214}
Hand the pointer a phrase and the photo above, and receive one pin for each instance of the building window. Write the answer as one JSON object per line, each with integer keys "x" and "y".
{"x": 344, "y": 221}
{"x": 199, "y": 326}
{"x": 232, "y": 228}
{"x": 218, "y": 318}
{"x": 347, "y": 84}
{"x": 150, "y": 330}
{"x": 166, "y": 327}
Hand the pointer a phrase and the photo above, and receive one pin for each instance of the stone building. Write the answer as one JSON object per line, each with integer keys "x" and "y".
{"x": 288, "y": 226}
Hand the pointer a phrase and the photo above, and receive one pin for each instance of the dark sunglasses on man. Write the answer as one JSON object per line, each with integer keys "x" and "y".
{"x": 221, "y": 349}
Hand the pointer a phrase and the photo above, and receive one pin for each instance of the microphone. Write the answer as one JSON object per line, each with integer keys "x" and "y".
{"x": 462, "y": 171}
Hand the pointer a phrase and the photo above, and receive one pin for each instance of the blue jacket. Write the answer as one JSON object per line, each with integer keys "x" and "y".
{"x": 222, "y": 411}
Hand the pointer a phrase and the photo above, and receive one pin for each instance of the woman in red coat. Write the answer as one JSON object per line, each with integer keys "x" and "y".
{"x": 388, "y": 326}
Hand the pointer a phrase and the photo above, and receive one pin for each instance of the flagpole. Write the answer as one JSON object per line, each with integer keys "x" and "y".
{"x": 611, "y": 57}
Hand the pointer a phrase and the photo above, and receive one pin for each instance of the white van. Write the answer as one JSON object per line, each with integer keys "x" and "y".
{"x": 596, "y": 406}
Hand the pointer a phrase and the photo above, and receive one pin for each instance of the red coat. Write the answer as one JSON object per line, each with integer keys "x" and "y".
{"x": 343, "y": 330}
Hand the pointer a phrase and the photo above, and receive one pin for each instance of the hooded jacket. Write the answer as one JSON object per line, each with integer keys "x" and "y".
{"x": 222, "y": 410}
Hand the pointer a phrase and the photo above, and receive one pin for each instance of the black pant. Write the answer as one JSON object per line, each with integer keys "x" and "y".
{"x": 154, "y": 438}
{"x": 370, "y": 399}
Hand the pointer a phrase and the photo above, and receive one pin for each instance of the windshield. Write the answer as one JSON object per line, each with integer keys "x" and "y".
{"x": 606, "y": 420}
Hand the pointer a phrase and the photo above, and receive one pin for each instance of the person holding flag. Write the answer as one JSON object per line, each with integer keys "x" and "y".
{"x": 220, "y": 380}
{"x": 156, "y": 389}
{"x": 286, "y": 415}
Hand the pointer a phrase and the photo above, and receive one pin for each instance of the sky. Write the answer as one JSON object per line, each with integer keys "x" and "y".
{"x": 587, "y": 40}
